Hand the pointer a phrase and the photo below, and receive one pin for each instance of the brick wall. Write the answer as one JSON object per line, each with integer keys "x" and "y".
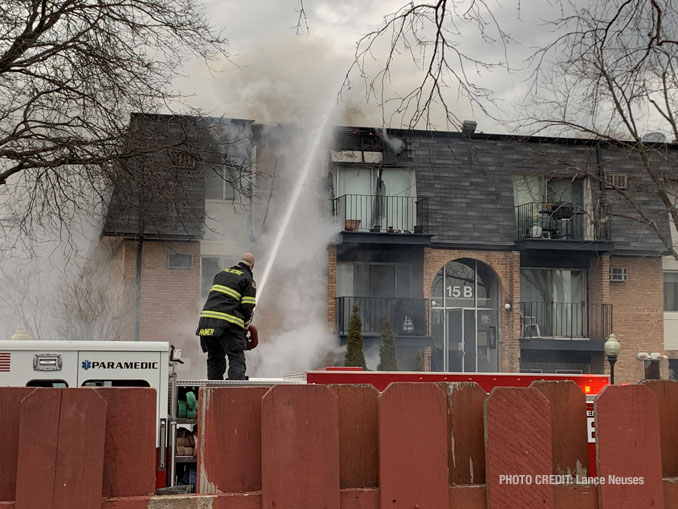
{"x": 638, "y": 314}
{"x": 599, "y": 293}
{"x": 506, "y": 265}
{"x": 599, "y": 280}
{"x": 170, "y": 298}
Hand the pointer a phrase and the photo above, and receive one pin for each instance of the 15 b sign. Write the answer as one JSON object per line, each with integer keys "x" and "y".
{"x": 460, "y": 291}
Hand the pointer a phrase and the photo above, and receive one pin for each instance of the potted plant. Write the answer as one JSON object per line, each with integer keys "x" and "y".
{"x": 352, "y": 224}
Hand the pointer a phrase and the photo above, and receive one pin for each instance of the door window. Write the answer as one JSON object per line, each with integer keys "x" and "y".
{"x": 464, "y": 306}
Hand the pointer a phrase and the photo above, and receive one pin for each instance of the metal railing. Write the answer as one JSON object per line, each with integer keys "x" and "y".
{"x": 565, "y": 221}
{"x": 565, "y": 320}
{"x": 407, "y": 315}
{"x": 395, "y": 214}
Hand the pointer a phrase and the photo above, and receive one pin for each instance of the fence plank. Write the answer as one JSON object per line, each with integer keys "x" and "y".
{"x": 80, "y": 449}
{"x": 10, "y": 399}
{"x": 358, "y": 435}
{"x": 360, "y": 498}
{"x": 300, "y": 447}
{"x": 671, "y": 492}
{"x": 569, "y": 446}
{"x": 518, "y": 438}
{"x": 579, "y": 496}
{"x": 666, "y": 393}
{"x": 129, "y": 457}
{"x": 628, "y": 444}
{"x": 466, "y": 444}
{"x": 468, "y": 497}
{"x": 229, "y": 439}
{"x": 37, "y": 448}
{"x": 413, "y": 446}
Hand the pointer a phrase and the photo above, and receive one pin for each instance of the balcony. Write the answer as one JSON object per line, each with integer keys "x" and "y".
{"x": 408, "y": 315}
{"x": 565, "y": 320}
{"x": 382, "y": 214}
{"x": 561, "y": 221}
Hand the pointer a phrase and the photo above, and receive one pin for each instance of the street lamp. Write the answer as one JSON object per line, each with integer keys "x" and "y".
{"x": 612, "y": 348}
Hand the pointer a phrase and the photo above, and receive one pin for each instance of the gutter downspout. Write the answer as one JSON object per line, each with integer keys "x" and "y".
{"x": 139, "y": 258}
{"x": 137, "y": 325}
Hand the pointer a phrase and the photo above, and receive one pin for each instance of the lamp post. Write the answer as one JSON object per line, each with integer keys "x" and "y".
{"x": 612, "y": 347}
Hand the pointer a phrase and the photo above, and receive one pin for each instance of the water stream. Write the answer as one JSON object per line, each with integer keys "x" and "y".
{"x": 314, "y": 147}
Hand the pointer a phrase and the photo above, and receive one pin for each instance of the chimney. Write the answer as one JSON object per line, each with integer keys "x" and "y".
{"x": 468, "y": 127}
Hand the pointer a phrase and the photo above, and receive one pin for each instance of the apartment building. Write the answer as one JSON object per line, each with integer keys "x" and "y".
{"x": 486, "y": 252}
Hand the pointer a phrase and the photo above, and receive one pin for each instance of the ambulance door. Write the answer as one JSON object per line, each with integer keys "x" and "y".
{"x": 119, "y": 368}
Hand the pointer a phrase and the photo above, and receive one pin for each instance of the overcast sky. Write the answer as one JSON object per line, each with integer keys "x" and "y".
{"x": 283, "y": 75}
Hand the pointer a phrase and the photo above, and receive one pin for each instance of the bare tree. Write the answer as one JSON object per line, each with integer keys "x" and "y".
{"x": 607, "y": 73}
{"x": 94, "y": 305}
{"x": 71, "y": 73}
{"x": 614, "y": 79}
{"x": 22, "y": 301}
{"x": 430, "y": 34}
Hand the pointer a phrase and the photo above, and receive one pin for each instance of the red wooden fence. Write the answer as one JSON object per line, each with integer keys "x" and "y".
{"x": 347, "y": 447}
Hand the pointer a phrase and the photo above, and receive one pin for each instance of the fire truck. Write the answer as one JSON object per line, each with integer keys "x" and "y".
{"x": 152, "y": 364}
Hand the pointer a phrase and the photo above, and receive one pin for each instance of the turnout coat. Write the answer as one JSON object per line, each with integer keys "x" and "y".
{"x": 230, "y": 303}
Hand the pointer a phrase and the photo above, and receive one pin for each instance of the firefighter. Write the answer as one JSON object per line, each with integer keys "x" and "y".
{"x": 225, "y": 318}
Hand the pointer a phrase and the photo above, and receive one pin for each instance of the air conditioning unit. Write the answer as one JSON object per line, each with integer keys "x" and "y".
{"x": 618, "y": 274}
{"x": 616, "y": 180}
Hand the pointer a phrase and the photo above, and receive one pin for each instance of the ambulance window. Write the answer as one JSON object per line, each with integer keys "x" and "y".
{"x": 58, "y": 384}
{"x": 116, "y": 383}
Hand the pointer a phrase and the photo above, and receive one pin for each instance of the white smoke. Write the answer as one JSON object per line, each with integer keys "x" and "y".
{"x": 297, "y": 288}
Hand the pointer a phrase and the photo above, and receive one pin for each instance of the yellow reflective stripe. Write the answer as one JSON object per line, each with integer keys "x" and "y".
{"x": 249, "y": 300}
{"x": 225, "y": 289}
{"x": 223, "y": 316}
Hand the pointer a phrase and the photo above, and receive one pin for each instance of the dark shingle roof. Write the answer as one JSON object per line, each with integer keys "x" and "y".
{"x": 469, "y": 184}
{"x": 159, "y": 191}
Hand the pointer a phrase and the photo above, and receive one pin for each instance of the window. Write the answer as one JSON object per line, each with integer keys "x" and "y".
{"x": 396, "y": 181}
{"x": 565, "y": 190}
{"x": 218, "y": 184}
{"x": 554, "y": 299}
{"x": 57, "y": 384}
{"x": 536, "y": 189}
{"x": 389, "y": 203}
{"x": 182, "y": 159}
{"x": 374, "y": 280}
{"x": 209, "y": 266}
{"x": 670, "y": 291}
{"x": 179, "y": 261}
{"x": 465, "y": 283}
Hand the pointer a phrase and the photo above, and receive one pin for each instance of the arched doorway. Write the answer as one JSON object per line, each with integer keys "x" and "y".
{"x": 465, "y": 317}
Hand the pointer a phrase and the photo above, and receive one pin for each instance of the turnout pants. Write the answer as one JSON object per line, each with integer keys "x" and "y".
{"x": 230, "y": 344}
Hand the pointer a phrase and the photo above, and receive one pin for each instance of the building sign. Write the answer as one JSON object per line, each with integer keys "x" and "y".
{"x": 459, "y": 291}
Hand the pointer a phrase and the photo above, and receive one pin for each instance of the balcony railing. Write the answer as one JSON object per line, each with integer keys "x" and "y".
{"x": 561, "y": 221}
{"x": 395, "y": 214}
{"x": 567, "y": 320}
{"x": 408, "y": 316}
